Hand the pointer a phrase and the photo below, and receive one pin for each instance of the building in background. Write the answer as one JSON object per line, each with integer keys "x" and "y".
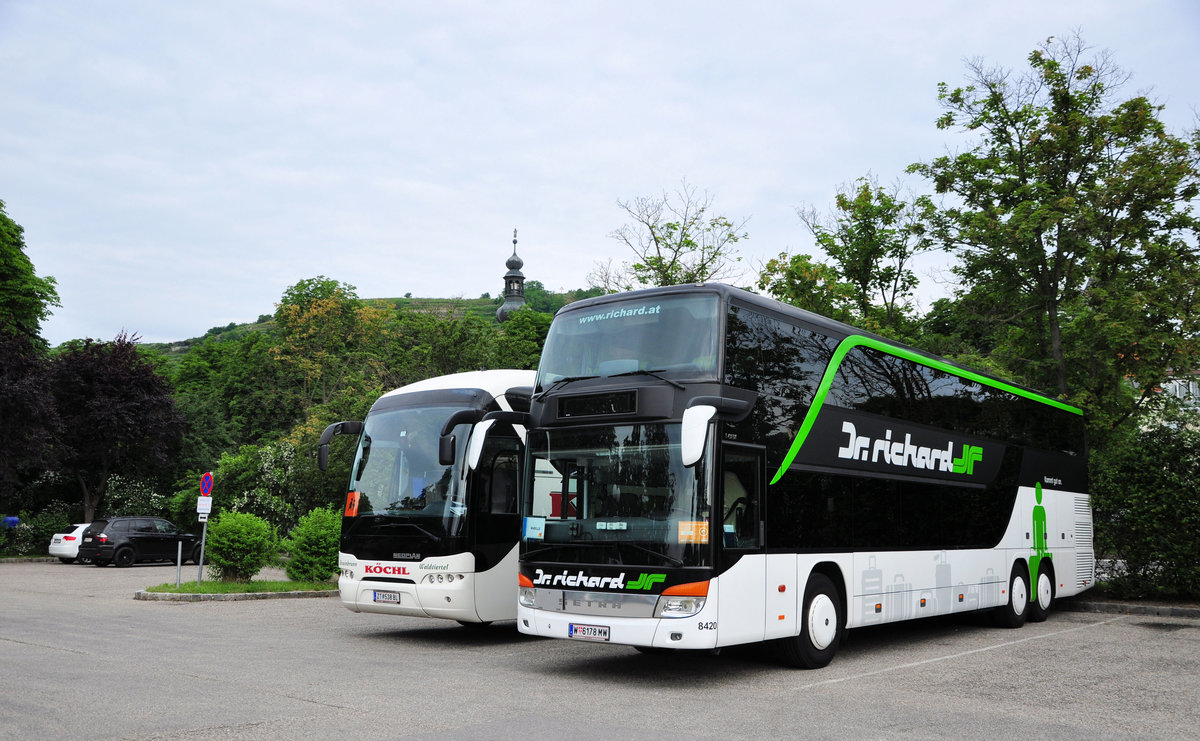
{"x": 514, "y": 285}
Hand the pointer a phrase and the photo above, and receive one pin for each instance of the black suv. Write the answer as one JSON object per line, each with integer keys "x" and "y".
{"x": 127, "y": 540}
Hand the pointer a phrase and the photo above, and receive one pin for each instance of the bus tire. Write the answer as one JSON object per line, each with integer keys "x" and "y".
{"x": 1042, "y": 599}
{"x": 1014, "y": 613}
{"x": 822, "y": 623}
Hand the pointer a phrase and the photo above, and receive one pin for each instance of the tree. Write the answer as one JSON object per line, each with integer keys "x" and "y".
{"x": 675, "y": 239}
{"x": 810, "y": 285}
{"x": 328, "y": 335}
{"x": 1072, "y": 225}
{"x": 522, "y": 338}
{"x": 872, "y": 236}
{"x": 28, "y": 416}
{"x": 116, "y": 415}
{"x": 25, "y": 299}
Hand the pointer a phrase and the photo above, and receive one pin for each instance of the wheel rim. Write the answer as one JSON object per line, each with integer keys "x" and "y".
{"x": 822, "y": 621}
{"x": 124, "y": 558}
{"x": 1045, "y": 591}
{"x": 1020, "y": 595}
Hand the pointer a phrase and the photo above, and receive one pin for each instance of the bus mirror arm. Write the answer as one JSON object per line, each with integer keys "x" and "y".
{"x": 337, "y": 428}
{"x": 446, "y": 443}
{"x": 734, "y": 410}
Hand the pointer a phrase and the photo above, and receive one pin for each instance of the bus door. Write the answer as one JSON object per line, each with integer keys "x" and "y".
{"x": 738, "y": 509}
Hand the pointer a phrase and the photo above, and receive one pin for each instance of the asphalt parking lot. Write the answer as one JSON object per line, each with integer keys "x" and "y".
{"x": 80, "y": 658}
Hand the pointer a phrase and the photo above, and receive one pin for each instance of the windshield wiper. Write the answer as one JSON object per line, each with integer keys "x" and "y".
{"x": 387, "y": 525}
{"x": 362, "y": 461}
{"x": 563, "y": 382}
{"x": 614, "y": 544}
{"x": 656, "y": 374}
{"x": 669, "y": 559}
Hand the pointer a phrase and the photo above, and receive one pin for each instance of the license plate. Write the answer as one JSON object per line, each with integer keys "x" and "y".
{"x": 393, "y": 597}
{"x": 87, "y": 540}
{"x": 57, "y": 541}
{"x": 587, "y": 632}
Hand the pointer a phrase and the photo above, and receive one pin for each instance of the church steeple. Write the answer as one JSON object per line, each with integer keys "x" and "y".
{"x": 514, "y": 284}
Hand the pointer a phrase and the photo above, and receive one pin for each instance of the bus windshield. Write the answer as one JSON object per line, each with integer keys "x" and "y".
{"x": 615, "y": 495}
{"x": 398, "y": 490}
{"x": 675, "y": 336}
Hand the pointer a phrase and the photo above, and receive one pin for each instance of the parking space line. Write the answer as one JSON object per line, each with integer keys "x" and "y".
{"x": 960, "y": 654}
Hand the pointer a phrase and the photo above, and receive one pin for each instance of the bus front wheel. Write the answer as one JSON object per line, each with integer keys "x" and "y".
{"x": 822, "y": 623}
{"x": 1014, "y": 614}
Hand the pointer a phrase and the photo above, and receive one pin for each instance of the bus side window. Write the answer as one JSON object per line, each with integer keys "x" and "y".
{"x": 741, "y": 491}
{"x": 504, "y": 484}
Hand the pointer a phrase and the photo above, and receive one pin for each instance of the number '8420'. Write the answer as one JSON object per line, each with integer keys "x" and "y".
{"x": 708, "y": 626}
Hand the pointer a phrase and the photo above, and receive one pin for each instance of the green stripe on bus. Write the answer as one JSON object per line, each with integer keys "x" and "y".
{"x": 853, "y": 341}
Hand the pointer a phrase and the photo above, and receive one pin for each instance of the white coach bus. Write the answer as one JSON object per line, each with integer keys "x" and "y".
{"x": 430, "y": 525}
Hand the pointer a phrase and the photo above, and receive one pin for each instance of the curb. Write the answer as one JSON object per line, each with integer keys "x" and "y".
{"x": 1127, "y": 608}
{"x": 238, "y": 597}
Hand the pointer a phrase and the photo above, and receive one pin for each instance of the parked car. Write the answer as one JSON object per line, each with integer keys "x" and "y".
{"x": 66, "y": 545}
{"x": 128, "y": 540}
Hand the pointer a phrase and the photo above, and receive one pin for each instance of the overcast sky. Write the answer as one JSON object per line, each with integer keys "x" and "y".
{"x": 177, "y": 165}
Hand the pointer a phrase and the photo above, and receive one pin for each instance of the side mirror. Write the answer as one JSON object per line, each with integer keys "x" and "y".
{"x": 446, "y": 443}
{"x": 337, "y": 428}
{"x": 694, "y": 434}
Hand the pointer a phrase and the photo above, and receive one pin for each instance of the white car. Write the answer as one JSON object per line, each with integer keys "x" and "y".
{"x": 66, "y": 545}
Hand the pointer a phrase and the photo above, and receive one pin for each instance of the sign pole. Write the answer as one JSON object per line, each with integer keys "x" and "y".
{"x": 203, "y": 508}
{"x": 200, "y": 563}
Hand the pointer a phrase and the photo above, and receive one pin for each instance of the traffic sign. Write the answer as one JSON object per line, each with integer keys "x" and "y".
{"x": 203, "y": 516}
{"x": 206, "y": 484}
{"x": 203, "y": 505}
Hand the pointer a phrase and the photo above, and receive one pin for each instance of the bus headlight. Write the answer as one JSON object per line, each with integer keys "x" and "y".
{"x": 682, "y": 600}
{"x": 670, "y": 606}
{"x": 527, "y": 597}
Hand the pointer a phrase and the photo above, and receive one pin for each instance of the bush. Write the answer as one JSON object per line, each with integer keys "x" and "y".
{"x": 313, "y": 546}
{"x": 135, "y": 497}
{"x": 240, "y": 545}
{"x": 1146, "y": 501}
{"x": 32, "y": 536}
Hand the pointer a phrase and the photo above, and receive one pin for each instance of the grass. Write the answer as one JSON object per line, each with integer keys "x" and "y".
{"x": 217, "y": 586}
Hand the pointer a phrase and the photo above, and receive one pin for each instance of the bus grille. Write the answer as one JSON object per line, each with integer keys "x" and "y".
{"x": 1085, "y": 556}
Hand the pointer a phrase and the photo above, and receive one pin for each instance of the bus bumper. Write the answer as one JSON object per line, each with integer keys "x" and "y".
{"x": 695, "y": 632}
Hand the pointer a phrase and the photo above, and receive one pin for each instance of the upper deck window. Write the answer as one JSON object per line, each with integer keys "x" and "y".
{"x": 676, "y": 336}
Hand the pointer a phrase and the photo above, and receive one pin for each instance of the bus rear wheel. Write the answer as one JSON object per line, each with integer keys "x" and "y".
{"x": 822, "y": 622}
{"x": 1043, "y": 596}
{"x": 1014, "y": 614}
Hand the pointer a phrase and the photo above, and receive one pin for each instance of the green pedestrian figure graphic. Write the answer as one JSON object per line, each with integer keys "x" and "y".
{"x": 1040, "y": 549}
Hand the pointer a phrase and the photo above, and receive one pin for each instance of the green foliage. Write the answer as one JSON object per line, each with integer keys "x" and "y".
{"x": 524, "y": 334}
{"x": 25, "y": 299}
{"x": 130, "y": 496}
{"x": 428, "y": 344}
{"x": 313, "y": 546}
{"x": 181, "y": 509}
{"x": 257, "y": 480}
{"x": 873, "y": 236}
{"x": 31, "y": 537}
{"x": 239, "y": 545}
{"x": 1146, "y": 502}
{"x": 809, "y": 285}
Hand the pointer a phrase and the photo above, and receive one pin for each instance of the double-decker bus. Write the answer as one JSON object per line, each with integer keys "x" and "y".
{"x": 708, "y": 467}
{"x": 430, "y": 525}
